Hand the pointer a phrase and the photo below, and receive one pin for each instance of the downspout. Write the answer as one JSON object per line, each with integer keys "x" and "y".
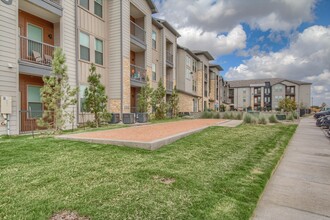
{"x": 121, "y": 60}
{"x": 77, "y": 54}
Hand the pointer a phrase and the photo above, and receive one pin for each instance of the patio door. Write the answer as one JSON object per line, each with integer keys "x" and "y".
{"x": 35, "y": 39}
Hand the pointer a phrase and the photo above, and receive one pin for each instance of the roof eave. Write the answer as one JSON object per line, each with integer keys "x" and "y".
{"x": 152, "y": 6}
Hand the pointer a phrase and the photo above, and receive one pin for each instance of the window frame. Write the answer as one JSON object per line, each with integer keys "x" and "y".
{"x": 96, "y": 51}
{"x": 95, "y": 2}
{"x": 28, "y": 102}
{"x": 89, "y": 46}
{"x": 154, "y": 41}
{"x": 154, "y": 73}
{"x": 84, "y": 6}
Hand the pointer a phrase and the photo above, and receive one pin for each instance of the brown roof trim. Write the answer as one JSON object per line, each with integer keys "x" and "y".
{"x": 156, "y": 23}
{"x": 216, "y": 66}
{"x": 152, "y": 6}
{"x": 168, "y": 26}
{"x": 189, "y": 52}
{"x": 205, "y": 53}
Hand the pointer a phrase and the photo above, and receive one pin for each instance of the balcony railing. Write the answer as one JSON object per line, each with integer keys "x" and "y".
{"x": 56, "y": 1}
{"x": 169, "y": 86}
{"x": 138, "y": 73}
{"x": 36, "y": 52}
{"x": 169, "y": 58}
{"x": 138, "y": 33}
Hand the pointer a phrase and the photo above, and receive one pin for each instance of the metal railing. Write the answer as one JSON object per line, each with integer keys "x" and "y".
{"x": 29, "y": 120}
{"x": 138, "y": 32}
{"x": 138, "y": 73}
{"x": 169, "y": 85}
{"x": 56, "y": 1}
{"x": 36, "y": 52}
{"x": 169, "y": 57}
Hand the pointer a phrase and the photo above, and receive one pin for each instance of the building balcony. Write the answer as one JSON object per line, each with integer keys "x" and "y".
{"x": 43, "y": 8}
{"x": 138, "y": 76}
{"x": 169, "y": 59}
{"x": 138, "y": 38}
{"x": 35, "y": 57}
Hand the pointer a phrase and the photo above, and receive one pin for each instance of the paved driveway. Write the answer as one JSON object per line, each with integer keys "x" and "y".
{"x": 300, "y": 187}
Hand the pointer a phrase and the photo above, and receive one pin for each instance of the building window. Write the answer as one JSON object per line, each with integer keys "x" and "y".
{"x": 244, "y": 100}
{"x": 154, "y": 40}
{"x": 267, "y": 91}
{"x": 188, "y": 74}
{"x": 84, "y": 46}
{"x": 244, "y": 91}
{"x": 98, "y": 8}
{"x": 98, "y": 51}
{"x": 34, "y": 102}
{"x": 82, "y": 98}
{"x": 194, "y": 66}
{"x": 84, "y": 4}
{"x": 154, "y": 74}
{"x": 188, "y": 62}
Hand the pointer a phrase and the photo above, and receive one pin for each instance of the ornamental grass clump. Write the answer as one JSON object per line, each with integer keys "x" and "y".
{"x": 272, "y": 119}
{"x": 263, "y": 120}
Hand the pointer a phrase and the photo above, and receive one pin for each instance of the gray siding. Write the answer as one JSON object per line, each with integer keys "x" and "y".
{"x": 8, "y": 56}
{"x": 114, "y": 57}
{"x": 69, "y": 43}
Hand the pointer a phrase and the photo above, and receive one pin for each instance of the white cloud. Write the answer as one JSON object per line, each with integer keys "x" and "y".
{"x": 222, "y": 16}
{"x": 306, "y": 59}
{"x": 211, "y": 41}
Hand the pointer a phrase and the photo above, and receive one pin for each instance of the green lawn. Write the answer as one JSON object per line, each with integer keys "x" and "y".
{"x": 219, "y": 174}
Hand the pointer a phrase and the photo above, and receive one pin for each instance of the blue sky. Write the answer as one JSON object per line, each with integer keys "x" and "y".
{"x": 322, "y": 17}
{"x": 259, "y": 39}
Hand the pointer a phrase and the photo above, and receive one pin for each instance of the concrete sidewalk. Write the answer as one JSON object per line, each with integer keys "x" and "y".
{"x": 300, "y": 187}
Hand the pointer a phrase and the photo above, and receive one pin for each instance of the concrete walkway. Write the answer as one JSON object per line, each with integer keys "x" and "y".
{"x": 231, "y": 123}
{"x": 300, "y": 187}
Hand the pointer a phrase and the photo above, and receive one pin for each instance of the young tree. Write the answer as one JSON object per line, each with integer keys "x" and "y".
{"x": 158, "y": 101}
{"x": 95, "y": 97}
{"x": 288, "y": 105}
{"x": 57, "y": 95}
{"x": 174, "y": 102}
{"x": 144, "y": 98}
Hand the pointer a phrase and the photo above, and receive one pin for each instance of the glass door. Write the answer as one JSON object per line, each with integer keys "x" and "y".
{"x": 35, "y": 40}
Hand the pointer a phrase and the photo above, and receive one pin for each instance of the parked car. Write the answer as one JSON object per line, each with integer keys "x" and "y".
{"x": 321, "y": 114}
{"x": 325, "y": 122}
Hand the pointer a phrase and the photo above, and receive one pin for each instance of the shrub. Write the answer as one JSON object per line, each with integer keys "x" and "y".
{"x": 254, "y": 120}
{"x": 231, "y": 115}
{"x": 263, "y": 120}
{"x": 226, "y": 115}
{"x": 239, "y": 116}
{"x": 272, "y": 119}
{"x": 207, "y": 115}
{"x": 290, "y": 117}
{"x": 248, "y": 119}
{"x": 216, "y": 115}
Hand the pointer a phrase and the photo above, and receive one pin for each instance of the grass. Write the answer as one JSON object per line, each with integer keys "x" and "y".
{"x": 218, "y": 173}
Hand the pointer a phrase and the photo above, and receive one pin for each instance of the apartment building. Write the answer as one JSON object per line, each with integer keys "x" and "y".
{"x": 189, "y": 80}
{"x": 164, "y": 55}
{"x": 115, "y": 35}
{"x": 265, "y": 94}
{"x": 205, "y": 57}
{"x": 215, "y": 86}
{"x": 30, "y": 31}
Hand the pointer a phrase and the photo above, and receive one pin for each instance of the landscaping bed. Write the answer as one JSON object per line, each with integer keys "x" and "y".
{"x": 218, "y": 173}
